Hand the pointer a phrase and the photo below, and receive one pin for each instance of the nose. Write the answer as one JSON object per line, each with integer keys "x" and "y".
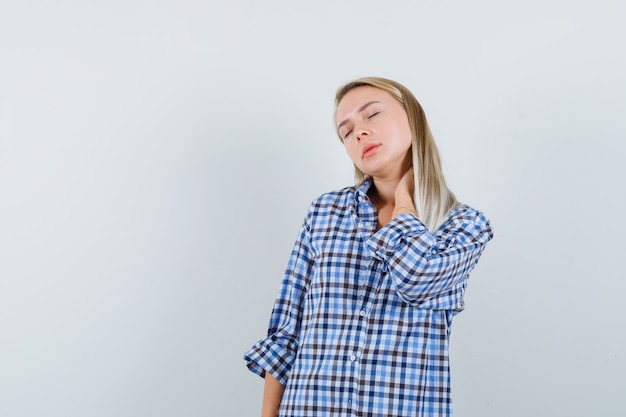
{"x": 361, "y": 132}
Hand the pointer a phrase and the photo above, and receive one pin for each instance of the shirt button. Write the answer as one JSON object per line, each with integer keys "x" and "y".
{"x": 362, "y": 313}
{"x": 352, "y": 358}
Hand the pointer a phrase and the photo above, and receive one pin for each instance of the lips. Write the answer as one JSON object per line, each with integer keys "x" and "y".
{"x": 370, "y": 149}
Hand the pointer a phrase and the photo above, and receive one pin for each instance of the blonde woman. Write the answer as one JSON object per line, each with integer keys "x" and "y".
{"x": 362, "y": 320}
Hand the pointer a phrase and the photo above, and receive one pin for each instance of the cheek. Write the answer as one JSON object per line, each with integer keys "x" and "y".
{"x": 352, "y": 150}
{"x": 405, "y": 134}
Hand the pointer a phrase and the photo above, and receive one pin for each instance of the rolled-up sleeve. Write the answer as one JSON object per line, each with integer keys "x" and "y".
{"x": 425, "y": 266}
{"x": 276, "y": 352}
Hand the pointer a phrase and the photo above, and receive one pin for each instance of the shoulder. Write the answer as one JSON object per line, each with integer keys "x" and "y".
{"x": 330, "y": 204}
{"x": 333, "y": 199}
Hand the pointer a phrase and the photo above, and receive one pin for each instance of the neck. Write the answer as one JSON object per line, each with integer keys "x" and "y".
{"x": 382, "y": 194}
{"x": 384, "y": 191}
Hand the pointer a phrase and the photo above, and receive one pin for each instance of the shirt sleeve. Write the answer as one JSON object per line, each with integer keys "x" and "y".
{"x": 431, "y": 270}
{"x": 276, "y": 352}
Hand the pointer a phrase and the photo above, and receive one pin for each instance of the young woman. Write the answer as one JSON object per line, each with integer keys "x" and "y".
{"x": 362, "y": 321}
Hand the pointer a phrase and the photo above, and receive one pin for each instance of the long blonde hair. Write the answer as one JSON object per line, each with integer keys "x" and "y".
{"x": 432, "y": 197}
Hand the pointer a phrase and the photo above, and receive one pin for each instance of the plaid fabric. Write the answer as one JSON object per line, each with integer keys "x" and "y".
{"x": 362, "y": 321}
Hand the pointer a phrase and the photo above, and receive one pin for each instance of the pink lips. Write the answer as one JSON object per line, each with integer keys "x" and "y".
{"x": 370, "y": 149}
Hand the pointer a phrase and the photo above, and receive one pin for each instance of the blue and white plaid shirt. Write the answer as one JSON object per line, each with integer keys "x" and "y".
{"x": 362, "y": 321}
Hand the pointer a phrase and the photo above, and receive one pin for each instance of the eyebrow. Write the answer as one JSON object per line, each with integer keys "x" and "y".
{"x": 360, "y": 109}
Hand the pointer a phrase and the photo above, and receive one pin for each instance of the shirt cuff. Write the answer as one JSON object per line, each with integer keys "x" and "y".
{"x": 384, "y": 242}
{"x": 268, "y": 356}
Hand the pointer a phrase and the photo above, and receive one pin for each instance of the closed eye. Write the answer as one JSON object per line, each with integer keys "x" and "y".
{"x": 373, "y": 114}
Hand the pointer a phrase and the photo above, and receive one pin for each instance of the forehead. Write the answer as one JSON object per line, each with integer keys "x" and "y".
{"x": 359, "y": 96}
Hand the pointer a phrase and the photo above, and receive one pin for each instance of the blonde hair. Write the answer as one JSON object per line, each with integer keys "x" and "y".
{"x": 432, "y": 197}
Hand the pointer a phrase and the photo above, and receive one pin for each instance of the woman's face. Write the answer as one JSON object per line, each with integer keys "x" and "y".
{"x": 375, "y": 131}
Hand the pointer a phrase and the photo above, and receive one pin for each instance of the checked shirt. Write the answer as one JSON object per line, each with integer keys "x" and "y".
{"x": 362, "y": 320}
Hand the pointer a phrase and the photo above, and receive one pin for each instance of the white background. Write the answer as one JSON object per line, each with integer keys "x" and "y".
{"x": 157, "y": 158}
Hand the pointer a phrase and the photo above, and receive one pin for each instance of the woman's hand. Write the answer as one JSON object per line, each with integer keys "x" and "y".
{"x": 406, "y": 187}
{"x": 404, "y": 195}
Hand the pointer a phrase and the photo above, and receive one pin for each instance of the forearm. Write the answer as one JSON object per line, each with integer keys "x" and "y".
{"x": 272, "y": 395}
{"x": 423, "y": 265}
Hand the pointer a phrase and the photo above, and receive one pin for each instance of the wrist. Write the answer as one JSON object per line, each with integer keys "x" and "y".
{"x": 403, "y": 209}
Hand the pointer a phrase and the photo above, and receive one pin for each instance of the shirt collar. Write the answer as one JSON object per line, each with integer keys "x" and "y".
{"x": 360, "y": 194}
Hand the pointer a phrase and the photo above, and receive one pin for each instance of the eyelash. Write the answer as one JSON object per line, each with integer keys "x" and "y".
{"x": 369, "y": 117}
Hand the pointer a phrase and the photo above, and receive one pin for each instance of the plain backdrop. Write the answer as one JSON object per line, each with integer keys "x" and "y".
{"x": 157, "y": 159}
